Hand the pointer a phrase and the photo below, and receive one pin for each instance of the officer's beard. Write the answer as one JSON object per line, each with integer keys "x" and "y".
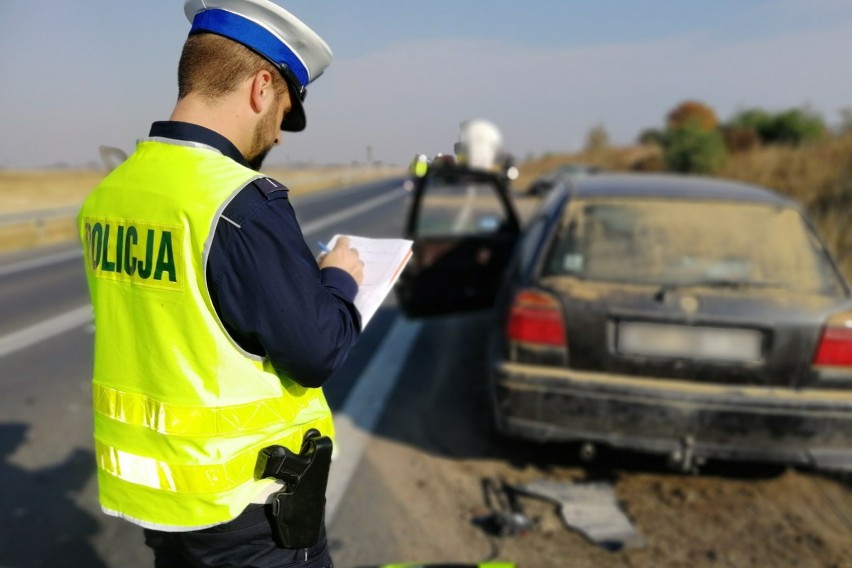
{"x": 257, "y": 161}
{"x": 260, "y": 145}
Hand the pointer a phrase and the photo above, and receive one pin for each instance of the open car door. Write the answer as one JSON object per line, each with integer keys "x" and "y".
{"x": 464, "y": 229}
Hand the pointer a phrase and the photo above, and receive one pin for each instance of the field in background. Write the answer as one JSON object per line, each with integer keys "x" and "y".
{"x": 624, "y": 158}
{"x": 56, "y": 196}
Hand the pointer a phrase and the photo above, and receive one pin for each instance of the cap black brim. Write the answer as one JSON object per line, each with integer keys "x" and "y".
{"x": 294, "y": 120}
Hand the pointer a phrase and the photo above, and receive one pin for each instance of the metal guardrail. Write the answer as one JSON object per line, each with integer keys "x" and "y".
{"x": 39, "y": 215}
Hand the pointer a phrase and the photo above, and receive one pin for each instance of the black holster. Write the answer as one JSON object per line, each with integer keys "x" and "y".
{"x": 298, "y": 508}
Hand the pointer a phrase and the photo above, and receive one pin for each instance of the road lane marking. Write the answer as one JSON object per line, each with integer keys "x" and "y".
{"x": 45, "y": 330}
{"x": 357, "y": 419}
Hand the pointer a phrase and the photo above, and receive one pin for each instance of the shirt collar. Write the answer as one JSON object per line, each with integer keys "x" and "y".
{"x": 189, "y": 132}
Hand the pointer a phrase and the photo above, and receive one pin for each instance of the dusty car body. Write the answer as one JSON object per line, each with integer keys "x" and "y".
{"x": 691, "y": 317}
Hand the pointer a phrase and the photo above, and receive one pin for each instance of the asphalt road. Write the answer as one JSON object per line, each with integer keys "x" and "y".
{"x": 49, "y": 515}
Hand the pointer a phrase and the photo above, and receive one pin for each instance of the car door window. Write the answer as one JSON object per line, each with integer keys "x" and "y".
{"x": 460, "y": 205}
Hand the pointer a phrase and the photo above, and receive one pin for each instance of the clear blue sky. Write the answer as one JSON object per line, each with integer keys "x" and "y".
{"x": 79, "y": 74}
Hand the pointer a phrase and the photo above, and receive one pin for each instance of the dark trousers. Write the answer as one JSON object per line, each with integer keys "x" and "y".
{"x": 245, "y": 542}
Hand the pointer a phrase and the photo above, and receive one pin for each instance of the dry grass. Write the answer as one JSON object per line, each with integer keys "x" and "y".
{"x": 29, "y": 190}
{"x": 36, "y": 190}
{"x": 818, "y": 175}
{"x": 811, "y": 173}
{"x": 617, "y": 159}
{"x": 32, "y": 190}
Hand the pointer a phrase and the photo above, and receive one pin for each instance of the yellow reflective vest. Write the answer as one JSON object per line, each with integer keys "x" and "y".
{"x": 180, "y": 410}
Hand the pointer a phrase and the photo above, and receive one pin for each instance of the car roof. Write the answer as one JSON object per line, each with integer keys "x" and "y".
{"x": 672, "y": 186}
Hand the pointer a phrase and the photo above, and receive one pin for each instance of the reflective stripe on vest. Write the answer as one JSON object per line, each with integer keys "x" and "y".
{"x": 219, "y": 477}
{"x": 196, "y": 421}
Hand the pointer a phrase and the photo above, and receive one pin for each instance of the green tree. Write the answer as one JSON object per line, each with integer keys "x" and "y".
{"x": 693, "y": 149}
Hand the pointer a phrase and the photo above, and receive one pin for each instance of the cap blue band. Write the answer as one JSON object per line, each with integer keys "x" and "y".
{"x": 253, "y": 36}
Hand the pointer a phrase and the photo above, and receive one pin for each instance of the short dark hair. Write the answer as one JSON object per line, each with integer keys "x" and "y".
{"x": 212, "y": 66}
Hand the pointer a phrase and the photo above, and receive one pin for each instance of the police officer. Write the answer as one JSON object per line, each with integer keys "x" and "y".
{"x": 215, "y": 325}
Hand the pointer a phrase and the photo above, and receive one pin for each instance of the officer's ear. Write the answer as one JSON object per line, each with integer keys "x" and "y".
{"x": 262, "y": 91}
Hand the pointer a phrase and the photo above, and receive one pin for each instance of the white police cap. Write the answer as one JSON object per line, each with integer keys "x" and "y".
{"x": 264, "y": 27}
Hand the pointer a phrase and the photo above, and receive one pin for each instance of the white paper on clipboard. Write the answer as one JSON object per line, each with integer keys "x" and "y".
{"x": 384, "y": 260}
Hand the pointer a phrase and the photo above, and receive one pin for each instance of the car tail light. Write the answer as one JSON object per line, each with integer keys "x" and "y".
{"x": 536, "y": 317}
{"x": 835, "y": 345}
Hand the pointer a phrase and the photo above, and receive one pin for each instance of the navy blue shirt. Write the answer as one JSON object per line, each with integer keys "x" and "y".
{"x": 265, "y": 283}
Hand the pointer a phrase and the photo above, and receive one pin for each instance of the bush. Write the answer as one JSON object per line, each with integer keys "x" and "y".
{"x": 692, "y": 149}
{"x": 755, "y": 119}
{"x": 793, "y": 126}
{"x": 651, "y": 137}
{"x": 740, "y": 138}
{"x": 649, "y": 163}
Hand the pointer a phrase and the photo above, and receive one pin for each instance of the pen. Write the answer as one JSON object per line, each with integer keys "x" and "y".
{"x": 323, "y": 247}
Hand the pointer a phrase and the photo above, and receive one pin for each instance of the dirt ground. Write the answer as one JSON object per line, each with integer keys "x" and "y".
{"x": 730, "y": 518}
{"x": 727, "y": 514}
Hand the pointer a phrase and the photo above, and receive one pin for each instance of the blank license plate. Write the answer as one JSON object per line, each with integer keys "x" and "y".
{"x": 684, "y": 341}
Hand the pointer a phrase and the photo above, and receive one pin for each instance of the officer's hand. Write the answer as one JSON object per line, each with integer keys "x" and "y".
{"x": 346, "y": 258}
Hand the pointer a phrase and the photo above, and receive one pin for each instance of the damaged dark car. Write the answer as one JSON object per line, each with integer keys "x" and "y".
{"x": 691, "y": 317}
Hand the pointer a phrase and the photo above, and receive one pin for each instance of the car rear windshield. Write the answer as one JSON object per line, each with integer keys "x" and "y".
{"x": 682, "y": 242}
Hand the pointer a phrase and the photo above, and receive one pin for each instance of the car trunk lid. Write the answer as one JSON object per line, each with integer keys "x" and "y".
{"x": 754, "y": 336}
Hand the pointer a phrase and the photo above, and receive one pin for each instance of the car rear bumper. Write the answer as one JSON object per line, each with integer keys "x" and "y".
{"x": 677, "y": 418}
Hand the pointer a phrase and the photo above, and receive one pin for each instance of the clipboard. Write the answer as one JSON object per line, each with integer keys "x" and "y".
{"x": 384, "y": 260}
